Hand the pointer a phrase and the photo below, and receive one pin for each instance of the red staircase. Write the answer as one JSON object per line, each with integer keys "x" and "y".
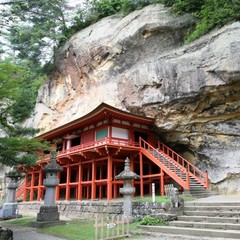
{"x": 20, "y": 189}
{"x": 178, "y": 168}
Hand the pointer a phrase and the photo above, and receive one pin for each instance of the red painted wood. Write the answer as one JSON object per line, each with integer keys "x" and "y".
{"x": 109, "y": 179}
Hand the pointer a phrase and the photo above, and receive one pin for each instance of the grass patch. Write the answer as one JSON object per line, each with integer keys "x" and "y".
{"x": 24, "y": 221}
{"x": 73, "y": 230}
{"x": 149, "y": 199}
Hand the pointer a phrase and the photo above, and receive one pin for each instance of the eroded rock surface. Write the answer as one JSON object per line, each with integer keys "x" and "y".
{"x": 139, "y": 63}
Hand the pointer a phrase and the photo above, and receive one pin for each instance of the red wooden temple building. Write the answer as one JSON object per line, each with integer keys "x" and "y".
{"x": 92, "y": 151}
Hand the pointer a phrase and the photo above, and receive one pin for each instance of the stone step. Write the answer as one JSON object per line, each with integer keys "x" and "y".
{"x": 218, "y": 233}
{"x": 211, "y": 204}
{"x": 209, "y": 219}
{"x": 208, "y": 225}
{"x": 212, "y": 208}
{"x": 212, "y": 213}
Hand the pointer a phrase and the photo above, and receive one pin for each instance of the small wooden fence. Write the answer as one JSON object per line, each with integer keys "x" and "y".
{"x": 113, "y": 227}
{"x": 168, "y": 188}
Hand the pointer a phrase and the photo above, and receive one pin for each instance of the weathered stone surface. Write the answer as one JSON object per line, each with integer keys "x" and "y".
{"x": 192, "y": 91}
{"x": 6, "y": 233}
{"x": 87, "y": 209}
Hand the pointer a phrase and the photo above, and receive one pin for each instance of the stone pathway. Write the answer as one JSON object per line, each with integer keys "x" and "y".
{"x": 174, "y": 237}
{"x": 29, "y": 233}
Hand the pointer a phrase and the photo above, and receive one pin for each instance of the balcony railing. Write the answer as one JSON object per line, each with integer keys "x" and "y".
{"x": 91, "y": 145}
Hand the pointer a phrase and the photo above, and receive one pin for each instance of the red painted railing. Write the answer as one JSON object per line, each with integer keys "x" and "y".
{"x": 194, "y": 172}
{"x": 21, "y": 188}
{"x": 100, "y": 142}
{"x": 168, "y": 165}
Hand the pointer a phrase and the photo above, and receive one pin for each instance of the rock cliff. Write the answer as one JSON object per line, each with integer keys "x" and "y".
{"x": 139, "y": 64}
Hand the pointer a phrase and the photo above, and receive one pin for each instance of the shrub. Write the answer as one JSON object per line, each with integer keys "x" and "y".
{"x": 152, "y": 221}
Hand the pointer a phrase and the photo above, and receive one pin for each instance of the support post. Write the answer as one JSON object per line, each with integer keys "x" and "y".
{"x": 68, "y": 182}
{"x": 32, "y": 186}
{"x": 141, "y": 176}
{"x": 93, "y": 195}
{"x": 109, "y": 179}
{"x": 80, "y": 181}
{"x": 25, "y": 188}
{"x": 162, "y": 182}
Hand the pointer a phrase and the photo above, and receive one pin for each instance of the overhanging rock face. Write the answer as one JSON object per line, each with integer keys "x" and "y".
{"x": 139, "y": 63}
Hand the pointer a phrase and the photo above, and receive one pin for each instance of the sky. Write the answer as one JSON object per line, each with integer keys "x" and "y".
{"x": 75, "y": 2}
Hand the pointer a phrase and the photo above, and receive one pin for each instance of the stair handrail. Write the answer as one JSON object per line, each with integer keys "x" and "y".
{"x": 145, "y": 145}
{"x": 20, "y": 189}
{"x": 193, "y": 171}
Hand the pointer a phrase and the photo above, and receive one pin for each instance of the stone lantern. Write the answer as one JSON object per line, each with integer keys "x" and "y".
{"x": 9, "y": 209}
{"x": 51, "y": 180}
{"x": 127, "y": 190}
{"x": 48, "y": 214}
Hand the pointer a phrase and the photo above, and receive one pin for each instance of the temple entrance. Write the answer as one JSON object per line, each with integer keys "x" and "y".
{"x": 144, "y": 136}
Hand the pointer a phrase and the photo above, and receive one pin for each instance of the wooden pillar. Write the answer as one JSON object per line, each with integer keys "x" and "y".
{"x": 39, "y": 194}
{"x": 79, "y": 197}
{"x": 115, "y": 185}
{"x": 25, "y": 188}
{"x": 109, "y": 178}
{"x": 68, "y": 182}
{"x": 132, "y": 169}
{"x": 64, "y": 145}
{"x": 88, "y": 179}
{"x": 100, "y": 187}
{"x": 110, "y": 133}
{"x": 141, "y": 176}
{"x": 31, "y": 186}
{"x": 162, "y": 183}
{"x": 57, "y": 194}
{"x": 150, "y": 182}
{"x": 93, "y": 194}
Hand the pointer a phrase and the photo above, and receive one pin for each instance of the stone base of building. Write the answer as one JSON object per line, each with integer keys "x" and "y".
{"x": 47, "y": 216}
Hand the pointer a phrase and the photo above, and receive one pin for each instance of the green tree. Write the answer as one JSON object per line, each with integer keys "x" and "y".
{"x": 16, "y": 147}
{"x": 35, "y": 28}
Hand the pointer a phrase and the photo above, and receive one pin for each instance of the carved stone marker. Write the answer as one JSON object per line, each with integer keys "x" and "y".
{"x": 176, "y": 201}
{"x": 9, "y": 209}
{"x": 127, "y": 190}
{"x": 48, "y": 214}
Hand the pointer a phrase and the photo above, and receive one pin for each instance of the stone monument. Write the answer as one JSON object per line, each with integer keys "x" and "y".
{"x": 48, "y": 214}
{"x": 127, "y": 190}
{"x": 10, "y": 208}
{"x": 176, "y": 201}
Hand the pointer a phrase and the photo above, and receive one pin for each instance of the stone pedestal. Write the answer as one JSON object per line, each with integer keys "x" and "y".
{"x": 10, "y": 208}
{"x": 48, "y": 214}
{"x": 127, "y": 190}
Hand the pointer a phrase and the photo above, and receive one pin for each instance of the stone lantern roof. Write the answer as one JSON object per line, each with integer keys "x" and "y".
{"x": 52, "y": 166}
{"x": 127, "y": 174}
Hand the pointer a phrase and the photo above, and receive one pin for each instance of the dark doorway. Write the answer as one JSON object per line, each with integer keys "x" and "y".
{"x": 144, "y": 136}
